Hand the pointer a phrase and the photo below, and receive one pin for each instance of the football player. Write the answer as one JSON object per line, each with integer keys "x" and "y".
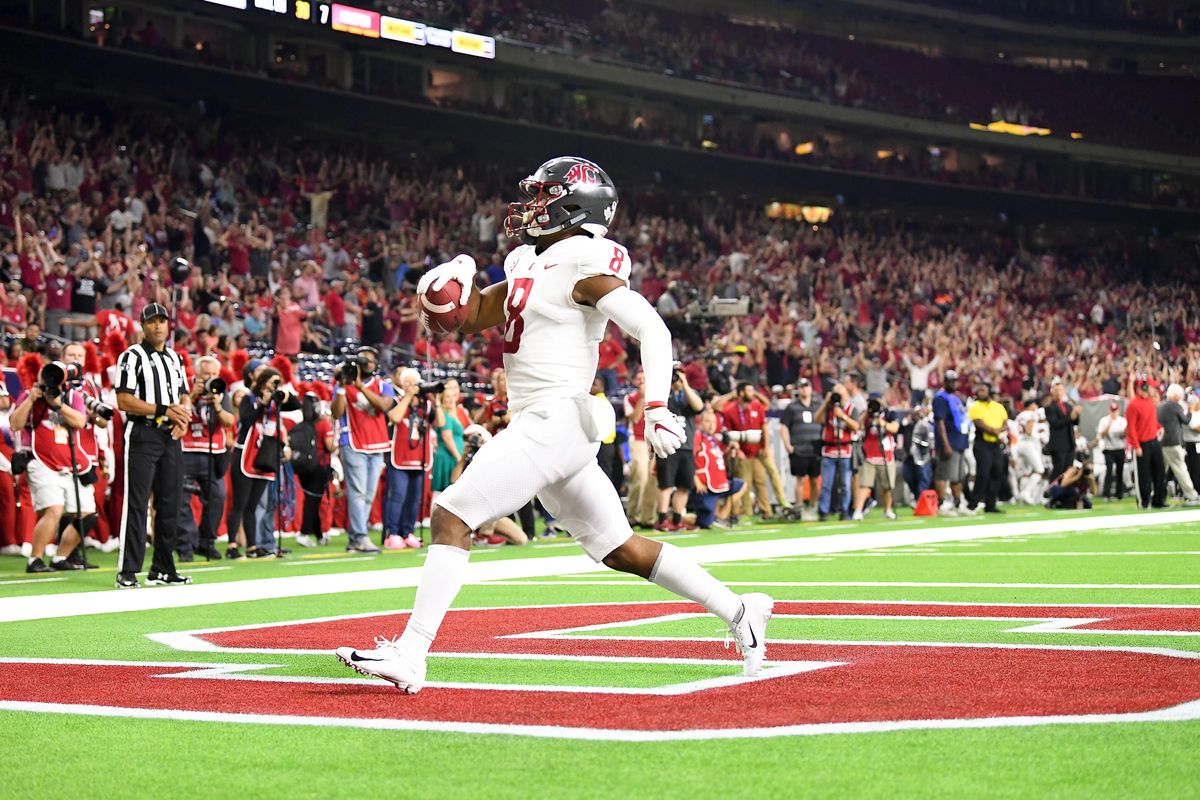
{"x": 561, "y": 288}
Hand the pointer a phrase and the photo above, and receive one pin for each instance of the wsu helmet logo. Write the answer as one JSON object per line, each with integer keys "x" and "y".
{"x": 582, "y": 173}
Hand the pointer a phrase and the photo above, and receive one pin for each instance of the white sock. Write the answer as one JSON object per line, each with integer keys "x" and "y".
{"x": 676, "y": 573}
{"x": 440, "y": 581}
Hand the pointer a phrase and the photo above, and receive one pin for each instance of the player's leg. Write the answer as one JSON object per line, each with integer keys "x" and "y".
{"x": 536, "y": 450}
{"x": 588, "y": 507}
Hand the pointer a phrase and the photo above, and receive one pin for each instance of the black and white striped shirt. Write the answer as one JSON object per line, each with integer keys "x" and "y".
{"x": 154, "y": 377}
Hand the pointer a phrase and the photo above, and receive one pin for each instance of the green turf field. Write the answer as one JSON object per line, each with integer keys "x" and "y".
{"x": 1060, "y": 657}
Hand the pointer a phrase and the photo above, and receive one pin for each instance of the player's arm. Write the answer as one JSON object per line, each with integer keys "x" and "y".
{"x": 486, "y": 308}
{"x": 635, "y": 316}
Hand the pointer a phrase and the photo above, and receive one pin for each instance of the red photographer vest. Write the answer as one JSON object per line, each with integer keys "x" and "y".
{"x": 368, "y": 426}
{"x": 197, "y": 439}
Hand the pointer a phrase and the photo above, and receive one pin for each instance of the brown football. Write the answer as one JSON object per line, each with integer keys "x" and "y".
{"x": 444, "y": 308}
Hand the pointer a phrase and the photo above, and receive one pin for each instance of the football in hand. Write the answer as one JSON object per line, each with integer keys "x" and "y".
{"x": 444, "y": 307}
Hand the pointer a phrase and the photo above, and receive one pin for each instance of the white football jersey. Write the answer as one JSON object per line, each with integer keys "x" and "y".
{"x": 1027, "y": 423}
{"x": 551, "y": 343}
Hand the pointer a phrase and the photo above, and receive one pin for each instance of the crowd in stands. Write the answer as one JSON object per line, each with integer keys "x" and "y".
{"x": 295, "y": 250}
{"x": 1110, "y": 109}
{"x": 1123, "y": 110}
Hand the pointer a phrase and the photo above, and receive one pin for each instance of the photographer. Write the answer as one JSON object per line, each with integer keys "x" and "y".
{"x": 1073, "y": 487}
{"x": 746, "y": 419}
{"x": 991, "y": 426}
{"x": 837, "y": 451}
{"x": 411, "y": 456}
{"x": 801, "y": 435}
{"x": 918, "y": 461}
{"x": 676, "y": 473}
{"x": 713, "y": 486}
{"x": 313, "y": 445}
{"x": 878, "y": 474}
{"x": 204, "y": 461}
{"x": 47, "y": 417}
{"x": 98, "y": 415}
{"x": 259, "y": 451}
{"x": 493, "y": 415}
{"x": 361, "y": 401}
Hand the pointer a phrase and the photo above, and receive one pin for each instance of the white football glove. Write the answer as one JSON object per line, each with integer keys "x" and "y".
{"x": 461, "y": 268}
{"x": 664, "y": 434}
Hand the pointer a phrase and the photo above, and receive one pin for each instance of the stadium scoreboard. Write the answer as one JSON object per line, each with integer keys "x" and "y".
{"x": 368, "y": 24}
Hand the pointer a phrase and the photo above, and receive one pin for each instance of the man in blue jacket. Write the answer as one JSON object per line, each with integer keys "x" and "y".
{"x": 950, "y": 434}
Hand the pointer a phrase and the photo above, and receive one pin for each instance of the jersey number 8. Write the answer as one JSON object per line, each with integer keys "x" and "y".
{"x": 518, "y": 296}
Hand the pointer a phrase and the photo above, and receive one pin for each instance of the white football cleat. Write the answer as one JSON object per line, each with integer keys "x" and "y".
{"x": 386, "y": 661}
{"x": 749, "y": 632}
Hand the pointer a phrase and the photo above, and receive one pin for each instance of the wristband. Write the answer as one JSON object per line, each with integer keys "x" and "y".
{"x": 655, "y": 404}
{"x": 160, "y": 410}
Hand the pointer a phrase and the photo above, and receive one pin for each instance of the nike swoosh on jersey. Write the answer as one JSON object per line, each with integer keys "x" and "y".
{"x": 550, "y": 266}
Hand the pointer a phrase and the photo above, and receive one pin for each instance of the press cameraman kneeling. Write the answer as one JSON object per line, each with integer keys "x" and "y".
{"x": 47, "y": 417}
{"x": 1073, "y": 488}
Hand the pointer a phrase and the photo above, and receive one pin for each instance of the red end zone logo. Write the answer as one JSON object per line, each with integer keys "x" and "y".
{"x": 807, "y": 687}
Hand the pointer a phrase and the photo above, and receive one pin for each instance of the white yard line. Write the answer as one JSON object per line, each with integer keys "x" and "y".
{"x": 872, "y": 584}
{"x": 32, "y": 580}
{"x": 1182, "y": 712}
{"x": 74, "y": 604}
{"x": 1025, "y": 553}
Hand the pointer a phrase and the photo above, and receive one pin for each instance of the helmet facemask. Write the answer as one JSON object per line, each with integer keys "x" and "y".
{"x": 533, "y": 217}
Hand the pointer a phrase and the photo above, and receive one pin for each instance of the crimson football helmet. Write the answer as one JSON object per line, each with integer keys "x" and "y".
{"x": 564, "y": 193}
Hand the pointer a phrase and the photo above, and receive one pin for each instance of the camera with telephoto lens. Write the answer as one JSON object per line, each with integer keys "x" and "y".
{"x": 432, "y": 388}
{"x": 471, "y": 445}
{"x": 97, "y": 407}
{"x": 874, "y": 407}
{"x": 350, "y": 369}
{"x": 742, "y": 437}
{"x": 57, "y": 374}
{"x": 214, "y": 387}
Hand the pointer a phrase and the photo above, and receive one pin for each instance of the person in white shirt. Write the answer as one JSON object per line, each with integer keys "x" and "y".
{"x": 918, "y": 375}
{"x": 1028, "y": 462}
{"x": 1110, "y": 432}
{"x": 1191, "y": 437}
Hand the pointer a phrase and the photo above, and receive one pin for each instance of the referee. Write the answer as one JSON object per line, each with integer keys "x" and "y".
{"x": 152, "y": 392}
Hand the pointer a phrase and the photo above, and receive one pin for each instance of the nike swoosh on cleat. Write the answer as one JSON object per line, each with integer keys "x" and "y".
{"x": 753, "y": 638}
{"x": 356, "y": 657}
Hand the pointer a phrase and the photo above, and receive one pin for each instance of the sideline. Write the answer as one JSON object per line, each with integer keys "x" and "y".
{"x": 113, "y": 601}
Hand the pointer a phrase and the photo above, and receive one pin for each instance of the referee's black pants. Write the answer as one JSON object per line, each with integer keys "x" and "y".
{"x": 153, "y": 463}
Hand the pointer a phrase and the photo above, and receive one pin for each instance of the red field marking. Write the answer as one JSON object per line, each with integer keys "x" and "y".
{"x": 878, "y": 684}
{"x": 478, "y": 631}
